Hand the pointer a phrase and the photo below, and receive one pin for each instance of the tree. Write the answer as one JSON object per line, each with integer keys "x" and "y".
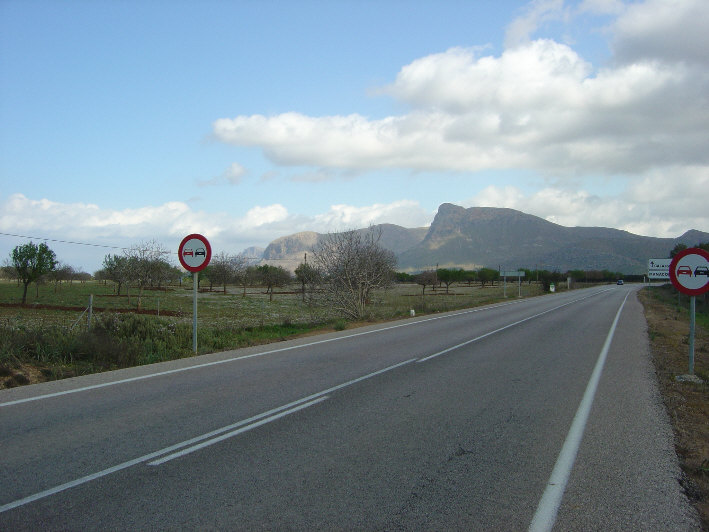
{"x": 244, "y": 276}
{"x": 486, "y": 275}
{"x": 144, "y": 265}
{"x": 306, "y": 275}
{"x": 223, "y": 268}
{"x": 351, "y": 265}
{"x": 272, "y": 276}
{"x": 115, "y": 268}
{"x": 426, "y": 278}
{"x": 677, "y": 249}
{"x": 448, "y": 277}
{"x": 31, "y": 262}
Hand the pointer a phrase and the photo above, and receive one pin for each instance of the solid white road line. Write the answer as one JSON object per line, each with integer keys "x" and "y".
{"x": 545, "y": 516}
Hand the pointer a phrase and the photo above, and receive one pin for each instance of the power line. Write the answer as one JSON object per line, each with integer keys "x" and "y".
{"x": 62, "y": 241}
{"x": 98, "y": 245}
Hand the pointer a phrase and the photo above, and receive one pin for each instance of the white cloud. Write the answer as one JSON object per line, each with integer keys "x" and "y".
{"x": 661, "y": 204}
{"x": 170, "y": 222}
{"x": 666, "y": 30}
{"x": 343, "y": 217}
{"x": 537, "y": 12}
{"x": 538, "y": 106}
{"x": 231, "y": 176}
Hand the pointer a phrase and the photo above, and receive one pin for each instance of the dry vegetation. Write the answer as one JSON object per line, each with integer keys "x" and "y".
{"x": 687, "y": 402}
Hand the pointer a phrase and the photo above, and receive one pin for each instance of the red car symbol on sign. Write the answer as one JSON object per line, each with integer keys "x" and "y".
{"x": 188, "y": 252}
{"x": 684, "y": 270}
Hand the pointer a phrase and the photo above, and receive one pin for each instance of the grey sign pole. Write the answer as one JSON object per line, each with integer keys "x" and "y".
{"x": 692, "y": 308}
{"x": 195, "y": 280}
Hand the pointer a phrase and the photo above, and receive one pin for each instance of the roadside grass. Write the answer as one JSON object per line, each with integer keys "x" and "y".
{"x": 687, "y": 403}
{"x": 49, "y": 338}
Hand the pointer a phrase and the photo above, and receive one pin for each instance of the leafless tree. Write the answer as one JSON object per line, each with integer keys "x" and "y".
{"x": 145, "y": 265}
{"x": 426, "y": 278}
{"x": 351, "y": 265}
{"x": 306, "y": 275}
{"x": 224, "y": 269}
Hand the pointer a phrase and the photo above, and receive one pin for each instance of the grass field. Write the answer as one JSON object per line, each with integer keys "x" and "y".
{"x": 49, "y": 336}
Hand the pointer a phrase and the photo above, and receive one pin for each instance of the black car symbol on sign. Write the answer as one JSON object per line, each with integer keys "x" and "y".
{"x": 200, "y": 251}
{"x": 701, "y": 270}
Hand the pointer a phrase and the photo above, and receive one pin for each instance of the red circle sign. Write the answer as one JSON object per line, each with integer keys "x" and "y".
{"x": 194, "y": 253}
{"x": 689, "y": 271}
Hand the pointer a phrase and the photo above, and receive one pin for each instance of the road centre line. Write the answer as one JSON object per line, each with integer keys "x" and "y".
{"x": 425, "y": 359}
{"x": 244, "y": 357}
{"x": 247, "y": 424}
{"x": 233, "y": 433}
{"x": 545, "y": 516}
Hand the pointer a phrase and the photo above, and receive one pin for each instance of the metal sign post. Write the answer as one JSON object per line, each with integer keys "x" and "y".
{"x": 689, "y": 273}
{"x": 195, "y": 254}
{"x": 519, "y": 275}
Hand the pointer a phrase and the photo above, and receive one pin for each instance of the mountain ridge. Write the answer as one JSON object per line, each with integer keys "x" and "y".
{"x": 504, "y": 238}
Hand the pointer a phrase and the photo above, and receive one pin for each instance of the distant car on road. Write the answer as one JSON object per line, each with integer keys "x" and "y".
{"x": 701, "y": 270}
{"x": 620, "y": 281}
{"x": 684, "y": 270}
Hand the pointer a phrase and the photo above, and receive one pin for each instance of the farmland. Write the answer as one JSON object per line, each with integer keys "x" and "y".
{"x": 49, "y": 336}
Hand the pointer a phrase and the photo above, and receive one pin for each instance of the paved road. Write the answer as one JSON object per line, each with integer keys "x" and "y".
{"x": 516, "y": 416}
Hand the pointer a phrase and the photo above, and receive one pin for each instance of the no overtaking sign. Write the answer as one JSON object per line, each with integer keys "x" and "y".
{"x": 689, "y": 271}
{"x": 194, "y": 253}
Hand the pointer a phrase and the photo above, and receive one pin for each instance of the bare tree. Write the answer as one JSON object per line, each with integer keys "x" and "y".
{"x": 426, "y": 278}
{"x": 223, "y": 268}
{"x": 245, "y": 275}
{"x": 352, "y": 264}
{"x": 145, "y": 264}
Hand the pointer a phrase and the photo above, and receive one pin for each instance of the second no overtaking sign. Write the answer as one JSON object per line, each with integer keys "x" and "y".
{"x": 689, "y": 271}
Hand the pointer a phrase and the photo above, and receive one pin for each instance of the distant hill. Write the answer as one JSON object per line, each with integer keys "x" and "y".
{"x": 290, "y": 251}
{"x": 492, "y": 237}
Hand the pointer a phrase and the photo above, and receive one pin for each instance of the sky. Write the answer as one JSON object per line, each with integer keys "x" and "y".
{"x": 126, "y": 121}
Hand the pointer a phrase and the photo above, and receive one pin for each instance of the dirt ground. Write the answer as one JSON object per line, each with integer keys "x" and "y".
{"x": 687, "y": 403}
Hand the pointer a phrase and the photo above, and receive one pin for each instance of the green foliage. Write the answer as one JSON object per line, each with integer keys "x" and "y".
{"x": 31, "y": 262}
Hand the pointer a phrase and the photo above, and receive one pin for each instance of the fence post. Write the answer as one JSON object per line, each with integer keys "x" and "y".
{"x": 91, "y": 310}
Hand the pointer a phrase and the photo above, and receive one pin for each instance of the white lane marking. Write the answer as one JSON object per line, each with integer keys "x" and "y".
{"x": 254, "y": 355}
{"x": 499, "y": 330}
{"x": 233, "y": 433}
{"x": 291, "y": 407}
{"x": 545, "y": 516}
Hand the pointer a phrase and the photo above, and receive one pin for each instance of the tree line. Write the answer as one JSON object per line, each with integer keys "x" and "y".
{"x": 345, "y": 269}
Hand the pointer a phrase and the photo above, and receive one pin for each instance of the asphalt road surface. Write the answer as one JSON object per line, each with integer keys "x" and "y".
{"x": 524, "y": 415}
